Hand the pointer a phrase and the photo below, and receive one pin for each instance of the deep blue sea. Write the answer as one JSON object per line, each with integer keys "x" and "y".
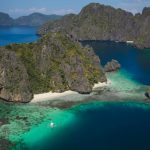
{"x": 105, "y": 126}
{"x": 95, "y": 125}
{"x": 22, "y": 34}
{"x": 133, "y": 60}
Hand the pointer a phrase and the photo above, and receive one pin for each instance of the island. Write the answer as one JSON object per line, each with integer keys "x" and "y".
{"x": 54, "y": 63}
{"x": 100, "y": 22}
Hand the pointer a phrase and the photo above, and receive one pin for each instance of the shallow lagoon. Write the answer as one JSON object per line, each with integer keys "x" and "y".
{"x": 94, "y": 125}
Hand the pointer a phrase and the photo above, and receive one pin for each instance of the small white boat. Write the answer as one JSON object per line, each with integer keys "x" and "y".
{"x": 52, "y": 125}
{"x": 130, "y": 42}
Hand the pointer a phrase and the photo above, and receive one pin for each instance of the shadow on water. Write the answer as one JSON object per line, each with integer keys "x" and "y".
{"x": 133, "y": 60}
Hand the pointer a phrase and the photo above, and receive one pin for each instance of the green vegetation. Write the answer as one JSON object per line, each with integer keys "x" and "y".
{"x": 56, "y": 63}
{"x": 39, "y": 83}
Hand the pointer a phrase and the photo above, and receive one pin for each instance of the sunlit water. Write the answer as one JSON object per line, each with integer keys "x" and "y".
{"x": 95, "y": 125}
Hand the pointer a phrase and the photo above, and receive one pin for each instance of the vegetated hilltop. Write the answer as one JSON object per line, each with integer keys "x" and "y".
{"x": 54, "y": 63}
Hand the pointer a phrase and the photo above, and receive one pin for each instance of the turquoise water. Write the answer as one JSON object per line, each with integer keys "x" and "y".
{"x": 96, "y": 125}
{"x": 26, "y": 125}
{"x": 106, "y": 126}
{"x": 135, "y": 61}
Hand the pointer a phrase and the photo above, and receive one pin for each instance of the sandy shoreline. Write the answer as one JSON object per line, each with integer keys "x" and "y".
{"x": 119, "y": 87}
{"x": 67, "y": 95}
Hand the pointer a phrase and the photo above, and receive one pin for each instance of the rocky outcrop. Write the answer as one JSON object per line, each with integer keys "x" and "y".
{"x": 14, "y": 83}
{"x": 147, "y": 93}
{"x": 143, "y": 28}
{"x": 35, "y": 19}
{"x": 111, "y": 66}
{"x": 100, "y": 22}
{"x": 54, "y": 63}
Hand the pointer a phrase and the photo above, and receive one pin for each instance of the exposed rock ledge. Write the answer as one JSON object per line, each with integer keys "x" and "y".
{"x": 147, "y": 94}
{"x": 14, "y": 82}
{"x": 111, "y": 66}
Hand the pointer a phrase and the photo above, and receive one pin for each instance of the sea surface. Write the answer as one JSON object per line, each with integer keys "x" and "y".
{"x": 95, "y": 125}
{"x": 135, "y": 61}
{"x": 22, "y": 34}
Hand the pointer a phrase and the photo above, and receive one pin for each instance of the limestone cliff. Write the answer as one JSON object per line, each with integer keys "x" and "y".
{"x": 14, "y": 82}
{"x": 54, "y": 63}
{"x": 100, "y": 22}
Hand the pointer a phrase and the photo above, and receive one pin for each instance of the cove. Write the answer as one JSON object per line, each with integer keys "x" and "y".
{"x": 135, "y": 61}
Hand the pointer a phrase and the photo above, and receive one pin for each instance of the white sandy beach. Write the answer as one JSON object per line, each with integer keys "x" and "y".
{"x": 117, "y": 87}
{"x": 67, "y": 95}
{"x": 102, "y": 84}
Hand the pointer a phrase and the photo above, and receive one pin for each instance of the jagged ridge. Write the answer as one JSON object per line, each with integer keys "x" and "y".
{"x": 100, "y": 22}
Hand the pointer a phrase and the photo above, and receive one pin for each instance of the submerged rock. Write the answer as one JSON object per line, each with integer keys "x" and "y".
{"x": 5, "y": 144}
{"x": 111, "y": 66}
{"x": 3, "y": 121}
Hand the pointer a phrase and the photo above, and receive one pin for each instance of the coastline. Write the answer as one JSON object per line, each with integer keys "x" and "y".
{"x": 67, "y": 95}
{"x": 119, "y": 88}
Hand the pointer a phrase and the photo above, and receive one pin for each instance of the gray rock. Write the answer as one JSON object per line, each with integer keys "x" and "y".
{"x": 100, "y": 22}
{"x": 55, "y": 63}
{"x": 147, "y": 93}
{"x": 14, "y": 82}
{"x": 111, "y": 66}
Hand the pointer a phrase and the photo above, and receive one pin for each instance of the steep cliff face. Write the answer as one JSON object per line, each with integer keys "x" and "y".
{"x": 14, "y": 83}
{"x": 54, "y": 63}
{"x": 99, "y": 22}
{"x": 143, "y": 28}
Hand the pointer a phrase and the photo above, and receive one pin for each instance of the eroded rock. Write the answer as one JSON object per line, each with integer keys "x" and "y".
{"x": 111, "y": 66}
{"x": 147, "y": 93}
{"x": 14, "y": 82}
